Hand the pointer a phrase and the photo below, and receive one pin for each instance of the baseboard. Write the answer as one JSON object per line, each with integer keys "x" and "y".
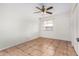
{"x": 54, "y": 38}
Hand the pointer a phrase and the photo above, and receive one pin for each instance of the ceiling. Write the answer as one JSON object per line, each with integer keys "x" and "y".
{"x": 29, "y": 8}
{"x": 59, "y": 8}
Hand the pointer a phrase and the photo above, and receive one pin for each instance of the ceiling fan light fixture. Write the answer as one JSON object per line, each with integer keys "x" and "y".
{"x": 44, "y": 10}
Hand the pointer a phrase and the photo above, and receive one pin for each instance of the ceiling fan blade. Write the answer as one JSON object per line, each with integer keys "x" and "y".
{"x": 38, "y": 8}
{"x": 37, "y": 12}
{"x": 49, "y": 8}
{"x": 49, "y": 12}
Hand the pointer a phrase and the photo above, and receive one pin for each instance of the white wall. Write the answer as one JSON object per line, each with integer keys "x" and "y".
{"x": 17, "y": 24}
{"x": 75, "y": 27}
{"x": 60, "y": 29}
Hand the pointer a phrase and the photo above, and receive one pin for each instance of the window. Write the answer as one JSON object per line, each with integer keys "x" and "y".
{"x": 48, "y": 25}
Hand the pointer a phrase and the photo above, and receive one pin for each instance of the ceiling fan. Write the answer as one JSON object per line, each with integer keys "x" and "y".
{"x": 43, "y": 9}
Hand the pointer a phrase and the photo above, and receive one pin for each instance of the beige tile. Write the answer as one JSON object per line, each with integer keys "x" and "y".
{"x": 48, "y": 52}
{"x": 63, "y": 51}
{"x": 29, "y": 50}
{"x": 41, "y": 47}
{"x": 36, "y": 53}
{"x": 59, "y": 54}
{"x": 71, "y": 51}
{"x": 3, "y": 53}
{"x": 14, "y": 52}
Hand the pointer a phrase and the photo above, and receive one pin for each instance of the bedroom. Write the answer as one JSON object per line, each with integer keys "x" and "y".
{"x": 21, "y": 28}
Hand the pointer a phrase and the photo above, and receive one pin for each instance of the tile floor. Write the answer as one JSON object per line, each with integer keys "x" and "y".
{"x": 41, "y": 47}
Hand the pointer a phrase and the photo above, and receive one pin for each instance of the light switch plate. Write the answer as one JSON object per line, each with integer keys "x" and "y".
{"x": 77, "y": 39}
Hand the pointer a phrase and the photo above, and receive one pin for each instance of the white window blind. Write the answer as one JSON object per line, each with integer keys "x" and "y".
{"x": 48, "y": 25}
